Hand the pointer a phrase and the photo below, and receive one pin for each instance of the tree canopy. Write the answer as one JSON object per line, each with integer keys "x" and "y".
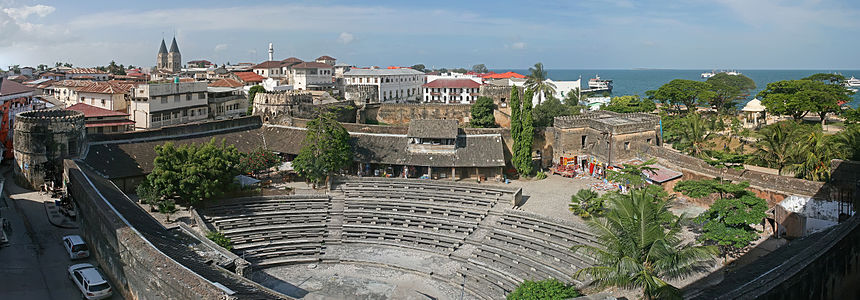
{"x": 545, "y": 112}
{"x": 826, "y": 77}
{"x": 252, "y": 92}
{"x": 325, "y": 150}
{"x": 191, "y": 172}
{"x": 683, "y": 92}
{"x": 630, "y": 104}
{"x": 728, "y": 89}
{"x": 480, "y": 68}
{"x": 797, "y": 98}
{"x": 522, "y": 148}
{"x": 258, "y": 160}
{"x": 419, "y": 67}
{"x": 482, "y": 113}
{"x": 543, "y": 289}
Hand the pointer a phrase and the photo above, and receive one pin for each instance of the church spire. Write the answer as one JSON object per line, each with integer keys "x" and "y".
{"x": 173, "y": 46}
{"x": 163, "y": 48}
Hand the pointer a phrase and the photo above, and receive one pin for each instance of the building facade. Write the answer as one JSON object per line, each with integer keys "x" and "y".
{"x": 397, "y": 85}
{"x": 446, "y": 90}
{"x": 311, "y": 76}
{"x": 103, "y": 121}
{"x": 163, "y": 104}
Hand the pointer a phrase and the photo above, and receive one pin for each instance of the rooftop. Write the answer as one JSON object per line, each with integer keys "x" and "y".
{"x": 249, "y": 77}
{"x": 325, "y": 57}
{"x": 85, "y": 71}
{"x": 90, "y": 111}
{"x": 452, "y": 83}
{"x": 106, "y": 88}
{"x": 271, "y": 64}
{"x": 433, "y": 129}
{"x": 312, "y": 65}
{"x": 382, "y": 72}
{"x": 226, "y": 82}
{"x": 9, "y": 87}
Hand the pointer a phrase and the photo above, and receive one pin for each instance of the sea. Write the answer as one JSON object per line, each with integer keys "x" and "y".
{"x": 637, "y": 81}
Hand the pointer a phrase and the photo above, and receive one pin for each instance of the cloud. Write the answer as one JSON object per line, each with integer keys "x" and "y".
{"x": 518, "y": 45}
{"x": 794, "y": 15}
{"x": 221, "y": 47}
{"x": 345, "y": 38}
{"x": 21, "y": 13}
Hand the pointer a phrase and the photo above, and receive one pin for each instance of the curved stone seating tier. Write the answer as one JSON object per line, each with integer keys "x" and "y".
{"x": 305, "y": 250}
{"x": 275, "y": 243}
{"x": 429, "y": 195}
{"x": 273, "y": 234}
{"x": 544, "y": 252}
{"x": 425, "y": 184}
{"x": 488, "y": 282}
{"x": 402, "y": 237}
{"x": 262, "y": 206}
{"x": 549, "y": 229}
{"x": 415, "y": 207}
{"x": 272, "y": 218}
{"x": 406, "y": 220}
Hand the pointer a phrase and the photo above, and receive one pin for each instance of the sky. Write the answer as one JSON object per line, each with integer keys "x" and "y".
{"x": 583, "y": 34}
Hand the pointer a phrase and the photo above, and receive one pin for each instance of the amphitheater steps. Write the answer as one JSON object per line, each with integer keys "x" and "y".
{"x": 334, "y": 226}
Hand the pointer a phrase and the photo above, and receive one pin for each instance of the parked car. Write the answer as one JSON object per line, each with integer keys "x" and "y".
{"x": 90, "y": 281}
{"x": 76, "y": 247}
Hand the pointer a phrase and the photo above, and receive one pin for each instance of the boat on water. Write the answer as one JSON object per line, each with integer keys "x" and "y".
{"x": 708, "y": 74}
{"x": 712, "y": 73}
{"x": 852, "y": 82}
{"x": 598, "y": 84}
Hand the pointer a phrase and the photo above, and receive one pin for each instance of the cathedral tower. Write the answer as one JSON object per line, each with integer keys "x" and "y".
{"x": 174, "y": 59}
{"x": 161, "y": 61}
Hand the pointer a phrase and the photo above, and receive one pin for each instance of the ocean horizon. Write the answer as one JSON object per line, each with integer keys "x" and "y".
{"x": 639, "y": 80}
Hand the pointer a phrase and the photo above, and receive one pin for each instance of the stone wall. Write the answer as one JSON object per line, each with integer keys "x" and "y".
{"x": 182, "y": 129}
{"x": 270, "y": 106}
{"x": 501, "y": 96}
{"x": 42, "y": 139}
{"x": 361, "y": 94}
{"x": 569, "y": 142}
{"x": 137, "y": 270}
{"x": 402, "y": 114}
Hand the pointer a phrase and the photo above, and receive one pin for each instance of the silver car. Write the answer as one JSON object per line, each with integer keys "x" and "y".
{"x": 76, "y": 247}
{"x": 90, "y": 281}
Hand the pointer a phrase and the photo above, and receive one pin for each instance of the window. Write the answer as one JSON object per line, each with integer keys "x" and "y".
{"x": 175, "y": 98}
{"x": 184, "y": 113}
{"x": 188, "y": 97}
{"x": 201, "y": 96}
{"x": 584, "y": 139}
{"x": 626, "y": 145}
{"x": 100, "y": 130}
{"x": 103, "y": 101}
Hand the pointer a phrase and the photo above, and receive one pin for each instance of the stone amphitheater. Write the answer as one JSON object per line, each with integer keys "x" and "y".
{"x": 398, "y": 238}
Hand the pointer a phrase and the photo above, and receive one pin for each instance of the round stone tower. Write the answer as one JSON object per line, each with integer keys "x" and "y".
{"x": 41, "y": 140}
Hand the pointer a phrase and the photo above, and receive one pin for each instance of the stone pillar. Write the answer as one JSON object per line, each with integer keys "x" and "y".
{"x": 453, "y": 173}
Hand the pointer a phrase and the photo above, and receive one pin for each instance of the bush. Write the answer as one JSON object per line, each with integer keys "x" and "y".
{"x": 220, "y": 239}
{"x": 544, "y": 289}
{"x": 540, "y": 176}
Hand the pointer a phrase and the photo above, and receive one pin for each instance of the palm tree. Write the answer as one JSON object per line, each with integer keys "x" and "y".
{"x": 536, "y": 81}
{"x": 695, "y": 135}
{"x": 813, "y": 152}
{"x": 776, "y": 146}
{"x": 639, "y": 247}
{"x": 586, "y": 203}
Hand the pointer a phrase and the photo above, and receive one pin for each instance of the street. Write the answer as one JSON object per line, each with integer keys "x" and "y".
{"x": 34, "y": 262}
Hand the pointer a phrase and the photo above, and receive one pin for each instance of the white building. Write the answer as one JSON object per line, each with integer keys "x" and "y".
{"x": 270, "y": 69}
{"x": 325, "y": 59}
{"x": 105, "y": 95}
{"x": 562, "y": 88}
{"x": 390, "y": 85}
{"x": 157, "y": 105}
{"x": 87, "y": 74}
{"x": 452, "y": 75}
{"x": 311, "y": 76}
{"x": 451, "y": 90}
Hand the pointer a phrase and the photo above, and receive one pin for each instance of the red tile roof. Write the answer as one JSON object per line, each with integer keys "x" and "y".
{"x": 85, "y": 71}
{"x": 271, "y": 64}
{"x": 292, "y": 60}
{"x": 249, "y": 77}
{"x": 94, "y": 112}
{"x": 9, "y": 87}
{"x": 73, "y": 83}
{"x": 312, "y": 65}
{"x": 503, "y": 75}
{"x": 452, "y": 83}
{"x": 226, "y": 82}
{"x": 107, "y": 123}
{"x": 325, "y": 57}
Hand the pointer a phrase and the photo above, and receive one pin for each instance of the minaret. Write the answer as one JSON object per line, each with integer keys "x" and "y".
{"x": 174, "y": 58}
{"x": 161, "y": 60}
{"x": 271, "y": 52}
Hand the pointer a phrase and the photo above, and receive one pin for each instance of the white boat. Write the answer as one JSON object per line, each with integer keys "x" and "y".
{"x": 733, "y": 73}
{"x": 708, "y": 74}
{"x": 597, "y": 84}
{"x": 852, "y": 82}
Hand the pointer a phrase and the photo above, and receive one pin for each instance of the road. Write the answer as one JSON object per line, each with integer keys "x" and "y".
{"x": 33, "y": 264}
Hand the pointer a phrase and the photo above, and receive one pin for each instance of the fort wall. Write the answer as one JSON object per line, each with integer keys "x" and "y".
{"x": 42, "y": 139}
{"x": 403, "y": 113}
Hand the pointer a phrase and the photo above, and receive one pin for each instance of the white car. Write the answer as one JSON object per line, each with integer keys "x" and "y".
{"x": 76, "y": 247}
{"x": 90, "y": 281}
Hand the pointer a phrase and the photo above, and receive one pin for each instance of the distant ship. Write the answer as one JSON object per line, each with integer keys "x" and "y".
{"x": 597, "y": 84}
{"x": 708, "y": 74}
{"x": 712, "y": 73}
{"x": 852, "y": 82}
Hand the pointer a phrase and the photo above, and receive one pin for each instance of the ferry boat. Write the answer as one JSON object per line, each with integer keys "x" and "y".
{"x": 733, "y": 73}
{"x": 852, "y": 82}
{"x": 597, "y": 84}
{"x": 708, "y": 74}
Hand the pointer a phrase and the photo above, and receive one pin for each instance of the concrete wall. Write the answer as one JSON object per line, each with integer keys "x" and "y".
{"x": 137, "y": 270}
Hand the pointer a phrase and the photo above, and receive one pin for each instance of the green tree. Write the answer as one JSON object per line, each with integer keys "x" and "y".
{"x": 683, "y": 92}
{"x": 814, "y": 150}
{"x": 258, "y": 160}
{"x": 115, "y": 69}
{"x": 797, "y": 98}
{"x": 536, "y": 81}
{"x": 695, "y": 135}
{"x": 42, "y": 67}
{"x": 419, "y": 67}
{"x": 545, "y": 112}
{"x": 482, "y": 113}
{"x": 826, "y": 77}
{"x": 480, "y": 68}
{"x": 706, "y": 187}
{"x": 586, "y": 203}
{"x": 633, "y": 175}
{"x": 851, "y": 115}
{"x": 252, "y": 92}
{"x": 630, "y": 104}
{"x": 516, "y": 121}
{"x": 776, "y": 148}
{"x": 543, "y": 289}
{"x": 638, "y": 248}
{"x": 325, "y": 150}
{"x": 523, "y": 146}
{"x": 220, "y": 239}
{"x": 572, "y": 98}
{"x": 193, "y": 172}
{"x": 728, "y": 89}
